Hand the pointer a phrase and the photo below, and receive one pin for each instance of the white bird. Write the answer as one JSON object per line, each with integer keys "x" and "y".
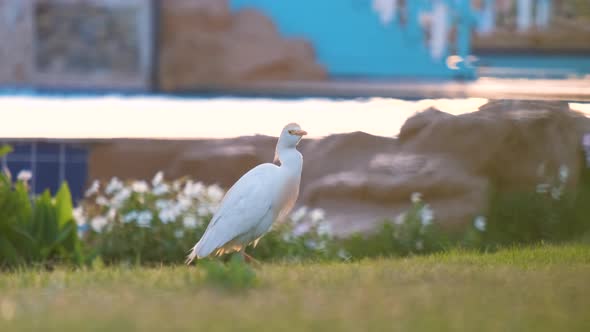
{"x": 264, "y": 194}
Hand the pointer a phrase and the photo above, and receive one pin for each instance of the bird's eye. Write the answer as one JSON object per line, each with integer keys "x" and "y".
{"x": 291, "y": 131}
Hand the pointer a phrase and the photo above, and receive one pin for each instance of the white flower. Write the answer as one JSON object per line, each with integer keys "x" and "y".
{"x": 113, "y": 186}
{"x": 184, "y": 203}
{"x": 163, "y": 204}
{"x": 111, "y": 214}
{"x": 158, "y": 178}
{"x": 312, "y": 244}
{"x": 298, "y": 215}
{"x": 167, "y": 215}
{"x": 176, "y": 185}
{"x": 193, "y": 189}
{"x": 203, "y": 211}
{"x": 102, "y": 201}
{"x": 140, "y": 187}
{"x": 325, "y": 229}
{"x": 419, "y": 245}
{"x": 215, "y": 193}
{"x": 556, "y": 193}
{"x": 426, "y": 215}
{"x": 189, "y": 221}
{"x": 181, "y": 207}
{"x": 301, "y": 229}
{"x": 129, "y": 217}
{"x": 480, "y": 223}
{"x": 400, "y": 219}
{"x": 160, "y": 189}
{"x": 563, "y": 173}
{"x": 93, "y": 188}
{"x": 98, "y": 223}
{"x": 144, "y": 218}
{"x": 287, "y": 237}
{"x": 543, "y": 188}
{"x": 78, "y": 214}
{"x": 24, "y": 175}
{"x": 121, "y": 197}
{"x": 317, "y": 215}
{"x": 179, "y": 233}
{"x": 213, "y": 208}
{"x": 416, "y": 198}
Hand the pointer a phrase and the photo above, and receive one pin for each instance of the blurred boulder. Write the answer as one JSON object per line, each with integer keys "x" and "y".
{"x": 361, "y": 179}
{"x": 507, "y": 142}
{"x": 220, "y": 161}
{"x": 203, "y": 44}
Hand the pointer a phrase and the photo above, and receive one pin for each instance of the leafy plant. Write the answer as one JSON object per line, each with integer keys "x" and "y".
{"x": 550, "y": 213}
{"x": 157, "y": 222}
{"x": 41, "y": 229}
{"x": 412, "y": 232}
{"x": 234, "y": 275}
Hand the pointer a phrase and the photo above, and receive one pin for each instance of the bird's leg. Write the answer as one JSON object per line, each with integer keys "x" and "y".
{"x": 248, "y": 258}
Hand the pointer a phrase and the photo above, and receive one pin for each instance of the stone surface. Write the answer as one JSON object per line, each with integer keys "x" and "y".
{"x": 86, "y": 38}
{"x": 16, "y": 48}
{"x": 204, "y": 45}
{"x": 505, "y": 141}
{"x": 360, "y": 179}
{"x": 76, "y": 43}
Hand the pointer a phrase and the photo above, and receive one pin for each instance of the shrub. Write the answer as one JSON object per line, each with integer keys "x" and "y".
{"x": 550, "y": 213}
{"x": 235, "y": 275}
{"x": 412, "y": 232}
{"x": 158, "y": 222}
{"x": 41, "y": 230}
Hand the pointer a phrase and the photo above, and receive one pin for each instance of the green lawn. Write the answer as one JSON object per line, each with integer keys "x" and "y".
{"x": 539, "y": 289}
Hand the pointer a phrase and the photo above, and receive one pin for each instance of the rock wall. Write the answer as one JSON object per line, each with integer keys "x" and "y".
{"x": 98, "y": 44}
{"x": 76, "y": 43}
{"x": 16, "y": 48}
{"x": 203, "y": 44}
{"x": 360, "y": 179}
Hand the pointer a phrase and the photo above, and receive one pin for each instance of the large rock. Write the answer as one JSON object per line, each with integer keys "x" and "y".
{"x": 360, "y": 179}
{"x": 507, "y": 142}
{"x": 204, "y": 45}
{"x": 211, "y": 161}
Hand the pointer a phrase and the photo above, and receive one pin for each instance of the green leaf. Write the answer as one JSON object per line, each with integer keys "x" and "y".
{"x": 4, "y": 150}
{"x": 63, "y": 205}
{"x": 44, "y": 226}
{"x": 64, "y": 234}
{"x": 8, "y": 253}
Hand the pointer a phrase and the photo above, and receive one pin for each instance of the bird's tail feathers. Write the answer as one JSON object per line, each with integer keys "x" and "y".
{"x": 203, "y": 248}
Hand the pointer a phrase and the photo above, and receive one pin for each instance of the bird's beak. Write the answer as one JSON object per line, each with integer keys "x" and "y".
{"x": 300, "y": 132}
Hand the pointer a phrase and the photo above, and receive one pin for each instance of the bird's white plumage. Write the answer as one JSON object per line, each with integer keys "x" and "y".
{"x": 252, "y": 204}
{"x": 245, "y": 205}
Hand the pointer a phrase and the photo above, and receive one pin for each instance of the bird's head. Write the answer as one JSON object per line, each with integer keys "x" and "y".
{"x": 290, "y": 137}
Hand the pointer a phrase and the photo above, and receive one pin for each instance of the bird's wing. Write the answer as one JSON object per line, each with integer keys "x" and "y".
{"x": 247, "y": 202}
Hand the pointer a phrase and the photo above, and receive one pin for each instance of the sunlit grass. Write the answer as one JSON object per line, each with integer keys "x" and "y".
{"x": 544, "y": 288}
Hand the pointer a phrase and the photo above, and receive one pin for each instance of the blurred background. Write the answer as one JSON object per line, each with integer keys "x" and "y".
{"x": 99, "y": 89}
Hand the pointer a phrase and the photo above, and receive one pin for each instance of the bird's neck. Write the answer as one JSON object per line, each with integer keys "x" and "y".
{"x": 290, "y": 159}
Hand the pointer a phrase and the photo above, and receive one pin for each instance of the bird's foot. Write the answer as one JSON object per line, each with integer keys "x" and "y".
{"x": 250, "y": 259}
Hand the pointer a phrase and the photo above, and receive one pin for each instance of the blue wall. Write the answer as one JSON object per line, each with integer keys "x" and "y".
{"x": 51, "y": 163}
{"x": 350, "y": 39}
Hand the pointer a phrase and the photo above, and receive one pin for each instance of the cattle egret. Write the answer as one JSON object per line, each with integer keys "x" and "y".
{"x": 264, "y": 194}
